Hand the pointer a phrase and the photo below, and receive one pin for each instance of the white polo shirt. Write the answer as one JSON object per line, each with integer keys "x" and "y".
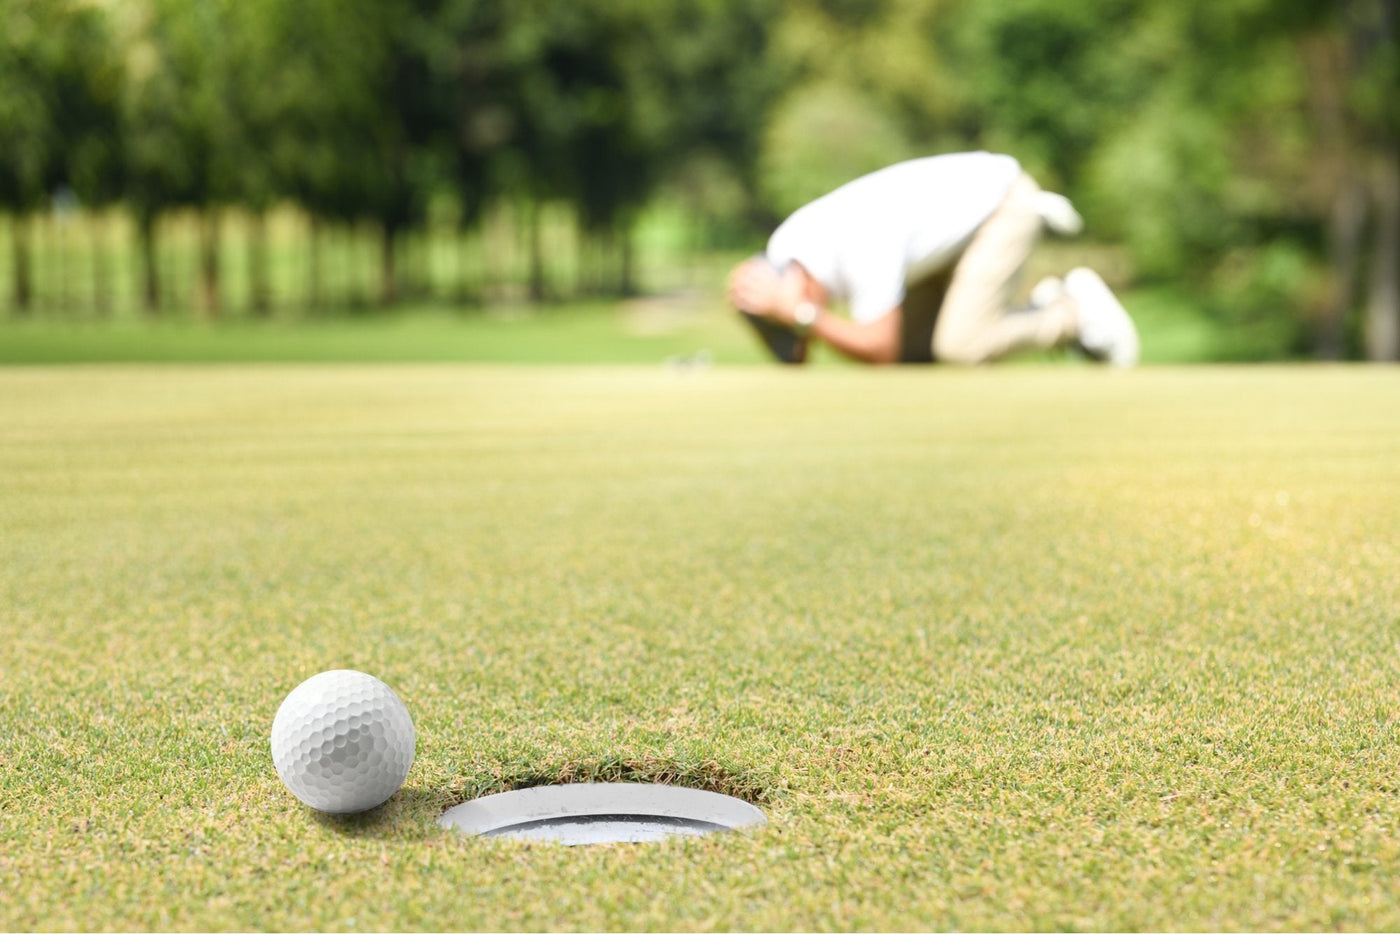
{"x": 869, "y": 238}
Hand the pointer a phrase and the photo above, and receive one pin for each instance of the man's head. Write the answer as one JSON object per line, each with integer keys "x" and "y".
{"x": 758, "y": 290}
{"x": 758, "y": 287}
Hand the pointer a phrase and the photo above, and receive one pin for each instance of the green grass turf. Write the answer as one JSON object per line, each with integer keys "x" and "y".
{"x": 1029, "y": 647}
{"x": 638, "y": 332}
{"x": 646, "y": 330}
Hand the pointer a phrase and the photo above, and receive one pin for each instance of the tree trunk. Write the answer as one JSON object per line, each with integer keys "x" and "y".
{"x": 416, "y": 265}
{"x": 259, "y": 289}
{"x": 101, "y": 268}
{"x": 24, "y": 283}
{"x": 459, "y": 265}
{"x": 345, "y": 289}
{"x": 149, "y": 262}
{"x": 596, "y": 261}
{"x": 209, "y": 264}
{"x": 313, "y": 264}
{"x": 468, "y": 284}
{"x": 361, "y": 278}
{"x": 61, "y": 296}
{"x": 627, "y": 265}
{"x": 428, "y": 239}
{"x": 489, "y": 281}
{"x": 1345, "y": 230}
{"x": 537, "y": 283}
{"x": 388, "y": 282}
{"x": 1342, "y": 193}
{"x": 583, "y": 274}
{"x": 1383, "y": 306}
{"x": 406, "y": 265}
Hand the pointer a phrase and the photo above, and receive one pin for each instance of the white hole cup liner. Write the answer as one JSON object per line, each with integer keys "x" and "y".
{"x": 613, "y": 812}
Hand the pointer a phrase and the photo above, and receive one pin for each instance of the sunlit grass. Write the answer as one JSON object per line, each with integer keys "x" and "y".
{"x": 693, "y": 325}
{"x": 1031, "y": 647}
{"x": 585, "y": 333}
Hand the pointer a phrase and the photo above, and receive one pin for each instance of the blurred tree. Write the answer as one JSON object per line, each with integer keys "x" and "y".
{"x": 466, "y": 55}
{"x": 821, "y": 137}
{"x": 1048, "y": 81}
{"x": 886, "y": 52}
{"x": 254, "y": 56}
{"x": 865, "y": 86}
{"x": 597, "y": 103}
{"x": 716, "y": 75}
{"x": 88, "y": 109}
{"x": 26, "y": 133}
{"x": 1184, "y": 128}
{"x": 562, "y": 96}
{"x": 1354, "y": 70}
{"x": 318, "y": 105}
{"x": 184, "y": 141}
{"x": 1377, "y": 107}
{"x": 58, "y": 115}
{"x": 1247, "y": 147}
{"x": 405, "y": 111}
{"x": 698, "y": 81}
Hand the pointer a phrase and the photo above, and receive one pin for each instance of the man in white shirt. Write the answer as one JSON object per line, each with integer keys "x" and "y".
{"x": 926, "y": 255}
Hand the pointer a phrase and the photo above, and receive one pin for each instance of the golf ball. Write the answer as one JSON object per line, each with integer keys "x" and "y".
{"x": 342, "y": 742}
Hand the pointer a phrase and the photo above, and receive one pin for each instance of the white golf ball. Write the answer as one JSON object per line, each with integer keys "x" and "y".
{"x": 342, "y": 742}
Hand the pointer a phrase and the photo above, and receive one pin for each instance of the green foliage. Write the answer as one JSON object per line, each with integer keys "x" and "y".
{"x": 60, "y": 78}
{"x": 821, "y": 137}
{"x": 183, "y": 131}
{"x": 714, "y": 197}
{"x": 597, "y": 101}
{"x": 1046, "y": 78}
{"x": 1193, "y": 132}
{"x": 24, "y": 116}
{"x": 1159, "y": 185}
{"x": 889, "y": 51}
{"x": 1252, "y": 284}
{"x": 323, "y": 67}
{"x": 1372, "y": 96}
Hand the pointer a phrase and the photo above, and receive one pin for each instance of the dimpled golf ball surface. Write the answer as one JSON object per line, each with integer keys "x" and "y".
{"x": 342, "y": 742}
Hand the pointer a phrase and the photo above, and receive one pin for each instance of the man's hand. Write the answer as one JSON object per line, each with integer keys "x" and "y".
{"x": 754, "y": 286}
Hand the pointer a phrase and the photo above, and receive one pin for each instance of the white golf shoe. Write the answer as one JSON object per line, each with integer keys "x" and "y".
{"x": 1058, "y": 214}
{"x": 1105, "y": 330}
{"x": 1047, "y": 291}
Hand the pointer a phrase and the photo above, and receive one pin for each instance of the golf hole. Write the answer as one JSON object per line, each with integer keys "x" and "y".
{"x": 601, "y": 812}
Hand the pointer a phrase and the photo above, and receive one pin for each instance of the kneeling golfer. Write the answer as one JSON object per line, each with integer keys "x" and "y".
{"x": 926, "y": 255}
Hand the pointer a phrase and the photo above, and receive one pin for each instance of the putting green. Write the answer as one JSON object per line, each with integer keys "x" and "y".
{"x": 1030, "y": 647}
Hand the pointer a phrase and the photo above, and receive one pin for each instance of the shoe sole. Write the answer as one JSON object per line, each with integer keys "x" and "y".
{"x": 1124, "y": 347}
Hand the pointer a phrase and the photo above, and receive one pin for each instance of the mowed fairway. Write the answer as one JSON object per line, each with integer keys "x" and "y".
{"x": 1032, "y": 647}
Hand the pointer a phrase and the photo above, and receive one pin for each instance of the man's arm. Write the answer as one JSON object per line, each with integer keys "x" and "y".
{"x": 754, "y": 287}
{"x": 872, "y": 342}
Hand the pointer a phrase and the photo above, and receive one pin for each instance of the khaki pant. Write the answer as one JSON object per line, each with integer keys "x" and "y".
{"x": 964, "y": 315}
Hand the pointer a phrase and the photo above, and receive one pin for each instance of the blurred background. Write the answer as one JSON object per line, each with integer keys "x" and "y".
{"x": 1237, "y": 161}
